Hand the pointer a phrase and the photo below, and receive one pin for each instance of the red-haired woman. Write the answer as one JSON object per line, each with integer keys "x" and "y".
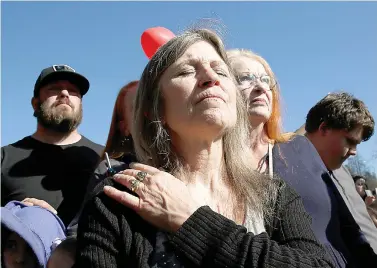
{"x": 119, "y": 141}
{"x": 119, "y": 150}
{"x": 260, "y": 90}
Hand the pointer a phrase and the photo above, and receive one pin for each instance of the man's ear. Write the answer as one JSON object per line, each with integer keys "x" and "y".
{"x": 35, "y": 103}
{"x": 323, "y": 128}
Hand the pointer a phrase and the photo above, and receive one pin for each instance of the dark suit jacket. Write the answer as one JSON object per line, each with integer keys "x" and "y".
{"x": 346, "y": 187}
{"x": 298, "y": 163}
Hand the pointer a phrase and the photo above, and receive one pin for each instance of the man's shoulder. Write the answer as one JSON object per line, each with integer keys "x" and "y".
{"x": 20, "y": 143}
{"x": 91, "y": 144}
{"x": 343, "y": 172}
{"x": 297, "y": 140}
{"x": 299, "y": 148}
{"x": 25, "y": 144}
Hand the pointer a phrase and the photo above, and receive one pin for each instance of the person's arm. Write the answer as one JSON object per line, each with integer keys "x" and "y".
{"x": 210, "y": 240}
{"x": 100, "y": 234}
{"x": 97, "y": 177}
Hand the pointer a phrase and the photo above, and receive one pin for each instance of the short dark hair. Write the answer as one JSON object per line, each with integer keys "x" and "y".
{"x": 340, "y": 111}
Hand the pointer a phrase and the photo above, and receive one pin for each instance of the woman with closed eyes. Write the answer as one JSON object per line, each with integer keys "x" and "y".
{"x": 194, "y": 200}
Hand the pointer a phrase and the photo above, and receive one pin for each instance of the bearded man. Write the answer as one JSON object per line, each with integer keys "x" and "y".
{"x": 51, "y": 168}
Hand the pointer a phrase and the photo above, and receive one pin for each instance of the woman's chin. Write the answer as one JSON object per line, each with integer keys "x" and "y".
{"x": 217, "y": 119}
{"x": 259, "y": 115}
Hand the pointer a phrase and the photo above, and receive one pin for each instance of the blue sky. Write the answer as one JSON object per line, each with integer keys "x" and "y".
{"x": 313, "y": 47}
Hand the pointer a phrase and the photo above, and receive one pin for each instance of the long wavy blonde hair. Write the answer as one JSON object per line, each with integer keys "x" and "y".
{"x": 151, "y": 138}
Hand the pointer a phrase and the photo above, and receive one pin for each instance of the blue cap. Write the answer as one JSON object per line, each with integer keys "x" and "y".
{"x": 39, "y": 227}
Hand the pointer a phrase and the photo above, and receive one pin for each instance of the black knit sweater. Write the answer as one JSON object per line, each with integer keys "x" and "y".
{"x": 111, "y": 235}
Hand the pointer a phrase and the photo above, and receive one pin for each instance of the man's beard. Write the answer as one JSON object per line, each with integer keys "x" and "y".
{"x": 58, "y": 120}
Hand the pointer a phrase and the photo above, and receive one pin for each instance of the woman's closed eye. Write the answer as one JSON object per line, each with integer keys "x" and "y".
{"x": 186, "y": 70}
{"x": 221, "y": 72}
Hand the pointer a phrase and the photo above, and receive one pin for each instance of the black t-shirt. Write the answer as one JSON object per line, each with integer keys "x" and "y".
{"x": 57, "y": 174}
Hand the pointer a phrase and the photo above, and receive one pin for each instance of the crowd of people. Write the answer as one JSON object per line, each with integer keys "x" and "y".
{"x": 196, "y": 172}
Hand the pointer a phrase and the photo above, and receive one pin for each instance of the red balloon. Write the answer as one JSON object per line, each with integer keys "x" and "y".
{"x": 153, "y": 38}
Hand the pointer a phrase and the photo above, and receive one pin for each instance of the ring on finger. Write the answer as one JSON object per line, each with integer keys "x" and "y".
{"x": 140, "y": 176}
{"x": 134, "y": 184}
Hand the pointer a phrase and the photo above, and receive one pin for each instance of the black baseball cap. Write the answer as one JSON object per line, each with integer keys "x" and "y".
{"x": 61, "y": 72}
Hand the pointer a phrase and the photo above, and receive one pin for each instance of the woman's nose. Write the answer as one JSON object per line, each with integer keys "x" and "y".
{"x": 261, "y": 87}
{"x": 209, "y": 83}
{"x": 209, "y": 78}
